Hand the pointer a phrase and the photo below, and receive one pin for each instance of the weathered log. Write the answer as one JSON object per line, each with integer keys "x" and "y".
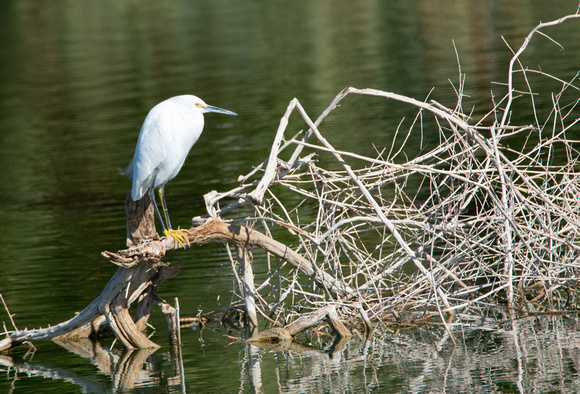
{"x": 215, "y": 230}
{"x": 140, "y": 220}
{"x": 141, "y": 270}
{"x": 126, "y": 286}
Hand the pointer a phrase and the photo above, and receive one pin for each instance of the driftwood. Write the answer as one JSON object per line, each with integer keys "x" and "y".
{"x": 141, "y": 271}
{"x": 456, "y": 210}
{"x": 450, "y": 214}
{"x": 131, "y": 282}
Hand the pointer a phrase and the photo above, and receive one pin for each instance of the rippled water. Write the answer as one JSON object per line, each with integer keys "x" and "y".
{"x": 76, "y": 81}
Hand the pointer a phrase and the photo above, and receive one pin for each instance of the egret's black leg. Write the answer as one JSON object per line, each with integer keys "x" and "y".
{"x": 180, "y": 235}
{"x": 161, "y": 192}
{"x": 152, "y": 197}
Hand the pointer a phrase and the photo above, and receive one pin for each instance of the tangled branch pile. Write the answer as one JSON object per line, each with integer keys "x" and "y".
{"x": 470, "y": 222}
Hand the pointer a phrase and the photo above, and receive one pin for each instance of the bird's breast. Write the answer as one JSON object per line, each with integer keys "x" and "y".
{"x": 180, "y": 141}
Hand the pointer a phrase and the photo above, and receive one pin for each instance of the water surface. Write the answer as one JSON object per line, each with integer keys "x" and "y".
{"x": 77, "y": 78}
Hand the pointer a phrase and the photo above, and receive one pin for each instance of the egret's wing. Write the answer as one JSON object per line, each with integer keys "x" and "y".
{"x": 150, "y": 152}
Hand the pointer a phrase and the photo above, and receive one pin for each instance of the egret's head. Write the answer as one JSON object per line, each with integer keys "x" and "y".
{"x": 204, "y": 108}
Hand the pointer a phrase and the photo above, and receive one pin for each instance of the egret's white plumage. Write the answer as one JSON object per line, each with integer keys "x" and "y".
{"x": 169, "y": 132}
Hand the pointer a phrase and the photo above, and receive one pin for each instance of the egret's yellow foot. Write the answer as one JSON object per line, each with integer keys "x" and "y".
{"x": 180, "y": 235}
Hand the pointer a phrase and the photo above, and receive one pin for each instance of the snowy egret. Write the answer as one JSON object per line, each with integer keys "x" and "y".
{"x": 169, "y": 132}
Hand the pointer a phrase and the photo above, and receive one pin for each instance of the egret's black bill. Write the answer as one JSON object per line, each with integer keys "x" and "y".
{"x": 211, "y": 108}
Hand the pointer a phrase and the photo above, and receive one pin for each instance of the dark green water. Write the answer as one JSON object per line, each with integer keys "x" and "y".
{"x": 77, "y": 78}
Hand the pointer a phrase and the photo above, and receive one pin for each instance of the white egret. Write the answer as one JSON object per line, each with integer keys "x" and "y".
{"x": 169, "y": 132}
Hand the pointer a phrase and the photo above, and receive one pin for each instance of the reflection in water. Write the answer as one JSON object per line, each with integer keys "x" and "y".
{"x": 76, "y": 81}
{"x": 128, "y": 369}
{"x": 543, "y": 351}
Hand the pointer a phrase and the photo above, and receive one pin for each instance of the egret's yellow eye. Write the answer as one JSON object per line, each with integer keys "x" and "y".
{"x": 199, "y": 105}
